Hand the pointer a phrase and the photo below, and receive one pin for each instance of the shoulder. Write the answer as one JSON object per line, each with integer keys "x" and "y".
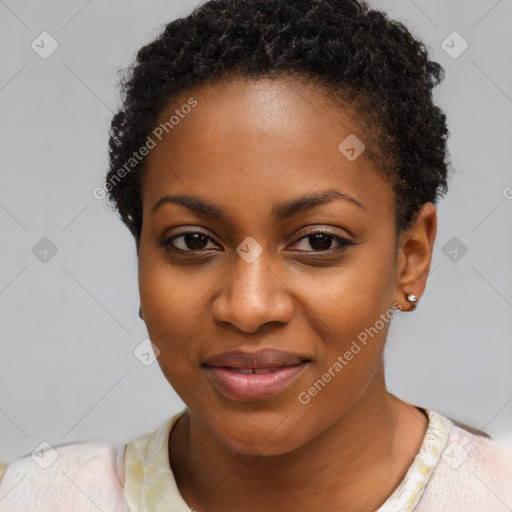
{"x": 474, "y": 473}
{"x": 82, "y": 477}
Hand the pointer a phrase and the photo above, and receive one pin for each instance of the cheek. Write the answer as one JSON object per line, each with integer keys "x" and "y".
{"x": 171, "y": 312}
{"x": 172, "y": 305}
{"x": 351, "y": 298}
{"x": 167, "y": 297}
{"x": 351, "y": 313}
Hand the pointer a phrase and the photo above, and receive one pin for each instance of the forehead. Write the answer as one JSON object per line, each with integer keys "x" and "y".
{"x": 250, "y": 141}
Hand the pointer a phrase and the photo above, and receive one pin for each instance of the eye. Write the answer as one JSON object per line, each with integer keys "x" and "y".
{"x": 187, "y": 242}
{"x": 321, "y": 240}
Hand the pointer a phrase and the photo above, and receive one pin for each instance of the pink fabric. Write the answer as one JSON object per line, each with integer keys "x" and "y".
{"x": 84, "y": 478}
{"x": 474, "y": 474}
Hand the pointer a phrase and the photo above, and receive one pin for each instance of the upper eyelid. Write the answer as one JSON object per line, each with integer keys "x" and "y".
{"x": 314, "y": 228}
{"x": 312, "y": 231}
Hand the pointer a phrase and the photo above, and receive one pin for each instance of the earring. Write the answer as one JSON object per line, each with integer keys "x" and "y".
{"x": 413, "y": 300}
{"x": 140, "y": 313}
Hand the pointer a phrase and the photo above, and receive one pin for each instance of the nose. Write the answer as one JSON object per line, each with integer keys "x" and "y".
{"x": 251, "y": 296}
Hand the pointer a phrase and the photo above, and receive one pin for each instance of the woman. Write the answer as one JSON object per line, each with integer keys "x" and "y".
{"x": 278, "y": 164}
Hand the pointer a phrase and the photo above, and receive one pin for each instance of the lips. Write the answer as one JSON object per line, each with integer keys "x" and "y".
{"x": 256, "y": 371}
{"x": 254, "y": 375}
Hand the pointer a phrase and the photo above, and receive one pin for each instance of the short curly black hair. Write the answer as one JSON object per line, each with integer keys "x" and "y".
{"x": 365, "y": 61}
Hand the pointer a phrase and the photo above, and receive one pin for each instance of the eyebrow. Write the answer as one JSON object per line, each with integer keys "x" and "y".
{"x": 281, "y": 211}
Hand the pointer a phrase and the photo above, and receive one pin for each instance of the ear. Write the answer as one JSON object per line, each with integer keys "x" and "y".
{"x": 414, "y": 256}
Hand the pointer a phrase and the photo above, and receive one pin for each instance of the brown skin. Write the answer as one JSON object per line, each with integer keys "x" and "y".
{"x": 247, "y": 146}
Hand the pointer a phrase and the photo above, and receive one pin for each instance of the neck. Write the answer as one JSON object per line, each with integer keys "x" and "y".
{"x": 355, "y": 464}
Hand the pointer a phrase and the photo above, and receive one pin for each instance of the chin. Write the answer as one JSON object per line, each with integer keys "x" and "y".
{"x": 259, "y": 433}
{"x": 248, "y": 448}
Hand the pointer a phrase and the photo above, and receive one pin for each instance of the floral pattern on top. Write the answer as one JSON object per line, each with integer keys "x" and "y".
{"x": 150, "y": 485}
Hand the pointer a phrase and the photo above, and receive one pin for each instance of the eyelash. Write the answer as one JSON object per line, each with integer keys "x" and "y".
{"x": 343, "y": 242}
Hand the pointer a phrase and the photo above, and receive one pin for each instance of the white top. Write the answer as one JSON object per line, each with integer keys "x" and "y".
{"x": 454, "y": 470}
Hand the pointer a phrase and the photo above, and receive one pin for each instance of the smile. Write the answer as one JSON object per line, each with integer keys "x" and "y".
{"x": 254, "y": 376}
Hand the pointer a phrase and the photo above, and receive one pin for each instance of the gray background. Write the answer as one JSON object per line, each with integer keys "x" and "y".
{"x": 69, "y": 325}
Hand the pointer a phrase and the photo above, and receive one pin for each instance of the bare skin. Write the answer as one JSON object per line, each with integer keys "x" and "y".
{"x": 247, "y": 147}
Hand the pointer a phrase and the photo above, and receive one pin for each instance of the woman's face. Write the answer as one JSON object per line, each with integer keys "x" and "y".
{"x": 244, "y": 270}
